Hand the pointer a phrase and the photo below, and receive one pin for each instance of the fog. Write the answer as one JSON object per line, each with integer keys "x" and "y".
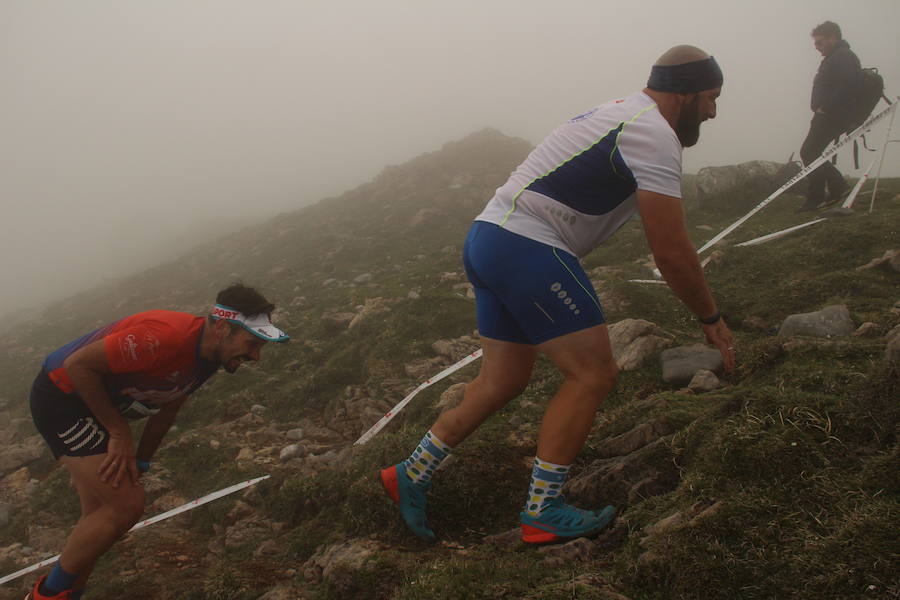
{"x": 130, "y": 130}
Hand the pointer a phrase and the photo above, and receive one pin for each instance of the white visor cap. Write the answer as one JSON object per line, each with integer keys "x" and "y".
{"x": 259, "y": 325}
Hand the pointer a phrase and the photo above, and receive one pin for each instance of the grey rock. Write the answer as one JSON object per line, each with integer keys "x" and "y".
{"x": 258, "y": 409}
{"x": 338, "y": 320}
{"x": 413, "y": 295}
{"x": 294, "y": 434}
{"x": 507, "y": 540}
{"x": 364, "y": 278}
{"x": 609, "y": 480}
{"x": 631, "y": 440}
{"x": 455, "y": 349}
{"x": 557, "y": 555}
{"x": 828, "y": 322}
{"x": 291, "y": 451}
{"x": 704, "y": 381}
{"x": 894, "y": 262}
{"x": 284, "y": 593}
{"x": 635, "y": 340}
{"x": 888, "y": 260}
{"x": 451, "y": 397}
{"x": 16, "y": 456}
{"x": 373, "y": 306}
{"x": 892, "y": 347}
{"x": 338, "y": 563}
{"x": 679, "y": 365}
{"x": 868, "y": 330}
{"x": 757, "y": 177}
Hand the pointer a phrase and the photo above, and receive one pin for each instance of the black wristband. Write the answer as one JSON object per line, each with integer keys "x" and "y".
{"x": 710, "y": 320}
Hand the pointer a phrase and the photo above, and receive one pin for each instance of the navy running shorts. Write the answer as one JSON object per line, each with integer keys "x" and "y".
{"x": 526, "y": 292}
{"x": 64, "y": 420}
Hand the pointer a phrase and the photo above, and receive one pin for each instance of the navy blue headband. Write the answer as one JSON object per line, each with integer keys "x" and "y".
{"x": 688, "y": 78}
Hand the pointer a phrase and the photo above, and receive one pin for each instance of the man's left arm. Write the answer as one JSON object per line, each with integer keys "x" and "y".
{"x": 156, "y": 428}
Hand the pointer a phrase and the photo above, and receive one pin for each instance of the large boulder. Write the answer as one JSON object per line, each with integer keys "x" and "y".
{"x": 636, "y": 340}
{"x": 338, "y": 564}
{"x": 753, "y": 180}
{"x": 679, "y": 365}
{"x": 16, "y": 456}
{"x": 831, "y": 321}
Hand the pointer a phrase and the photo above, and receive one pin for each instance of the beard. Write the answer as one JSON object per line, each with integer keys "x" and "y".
{"x": 688, "y": 127}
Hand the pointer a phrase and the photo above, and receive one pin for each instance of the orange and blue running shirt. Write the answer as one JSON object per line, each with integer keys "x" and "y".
{"x": 154, "y": 357}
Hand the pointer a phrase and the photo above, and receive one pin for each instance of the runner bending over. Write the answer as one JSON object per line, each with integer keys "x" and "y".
{"x": 582, "y": 183}
{"x": 145, "y": 365}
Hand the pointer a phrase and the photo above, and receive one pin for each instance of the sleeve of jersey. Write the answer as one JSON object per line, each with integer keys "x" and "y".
{"x": 653, "y": 154}
{"x": 139, "y": 347}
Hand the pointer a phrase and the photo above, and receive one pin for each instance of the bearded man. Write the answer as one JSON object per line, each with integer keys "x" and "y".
{"x": 145, "y": 365}
{"x": 580, "y": 185}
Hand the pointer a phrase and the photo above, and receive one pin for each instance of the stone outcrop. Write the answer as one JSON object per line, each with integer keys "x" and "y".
{"x": 704, "y": 381}
{"x": 612, "y": 480}
{"x": 636, "y": 340}
{"x": 16, "y": 456}
{"x": 831, "y": 321}
{"x": 631, "y": 440}
{"x": 754, "y": 179}
{"x": 889, "y": 260}
{"x": 679, "y": 365}
{"x": 338, "y": 563}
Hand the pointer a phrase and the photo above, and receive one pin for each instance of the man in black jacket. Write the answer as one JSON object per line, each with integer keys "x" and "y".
{"x": 833, "y": 94}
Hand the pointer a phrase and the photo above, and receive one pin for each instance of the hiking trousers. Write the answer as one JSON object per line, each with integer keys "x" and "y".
{"x": 822, "y": 129}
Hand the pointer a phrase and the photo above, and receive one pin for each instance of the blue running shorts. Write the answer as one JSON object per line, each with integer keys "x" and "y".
{"x": 526, "y": 292}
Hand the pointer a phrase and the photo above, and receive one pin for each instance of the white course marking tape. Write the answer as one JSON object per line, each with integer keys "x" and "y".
{"x": 368, "y": 435}
{"x": 778, "y": 234}
{"x": 826, "y": 155}
{"x": 160, "y": 517}
{"x": 848, "y": 203}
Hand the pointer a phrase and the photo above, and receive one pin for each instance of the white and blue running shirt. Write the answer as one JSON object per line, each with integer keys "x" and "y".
{"x": 578, "y": 186}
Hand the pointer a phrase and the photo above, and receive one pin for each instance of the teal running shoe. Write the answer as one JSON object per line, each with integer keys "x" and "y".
{"x": 560, "y": 521}
{"x": 410, "y": 497}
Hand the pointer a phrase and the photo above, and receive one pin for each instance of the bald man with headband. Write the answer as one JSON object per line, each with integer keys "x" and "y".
{"x": 582, "y": 183}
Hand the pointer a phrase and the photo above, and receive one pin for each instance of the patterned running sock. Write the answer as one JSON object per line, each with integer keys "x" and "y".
{"x": 547, "y": 480}
{"x": 57, "y": 581}
{"x": 421, "y": 464}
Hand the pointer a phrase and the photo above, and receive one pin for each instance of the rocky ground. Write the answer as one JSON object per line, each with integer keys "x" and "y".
{"x": 778, "y": 480}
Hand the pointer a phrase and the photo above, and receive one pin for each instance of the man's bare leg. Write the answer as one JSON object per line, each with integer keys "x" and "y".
{"x": 505, "y": 371}
{"x": 585, "y": 360}
{"x": 89, "y": 503}
{"x": 110, "y": 513}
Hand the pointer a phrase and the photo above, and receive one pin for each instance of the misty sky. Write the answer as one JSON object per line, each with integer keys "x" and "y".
{"x": 129, "y": 128}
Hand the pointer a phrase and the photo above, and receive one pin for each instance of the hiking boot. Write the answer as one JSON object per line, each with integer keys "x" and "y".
{"x": 410, "y": 497}
{"x": 560, "y": 521}
{"x": 35, "y": 593}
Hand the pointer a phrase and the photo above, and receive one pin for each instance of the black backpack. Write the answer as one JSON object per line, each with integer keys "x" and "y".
{"x": 869, "y": 92}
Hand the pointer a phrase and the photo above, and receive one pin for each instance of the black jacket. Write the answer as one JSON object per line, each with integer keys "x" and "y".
{"x": 837, "y": 81}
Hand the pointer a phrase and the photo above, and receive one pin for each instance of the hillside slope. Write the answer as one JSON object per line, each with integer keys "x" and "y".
{"x": 783, "y": 483}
